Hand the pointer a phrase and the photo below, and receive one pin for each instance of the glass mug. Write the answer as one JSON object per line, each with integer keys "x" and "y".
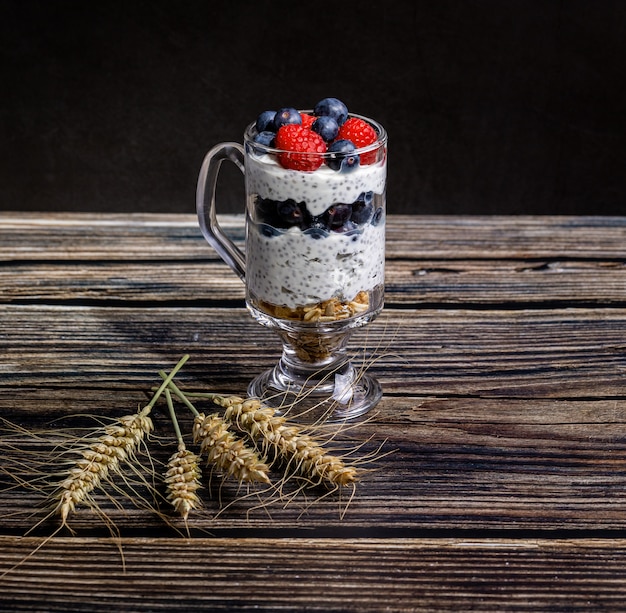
{"x": 313, "y": 267}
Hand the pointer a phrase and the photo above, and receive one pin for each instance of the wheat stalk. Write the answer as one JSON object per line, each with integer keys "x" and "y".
{"x": 288, "y": 441}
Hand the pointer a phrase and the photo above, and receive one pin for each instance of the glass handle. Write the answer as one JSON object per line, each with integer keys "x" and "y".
{"x": 205, "y": 204}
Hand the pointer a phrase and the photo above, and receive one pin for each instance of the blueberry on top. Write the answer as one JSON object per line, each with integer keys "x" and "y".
{"x": 265, "y": 138}
{"x": 326, "y": 126}
{"x": 332, "y": 107}
{"x": 343, "y": 158}
{"x": 265, "y": 121}
{"x": 286, "y": 115}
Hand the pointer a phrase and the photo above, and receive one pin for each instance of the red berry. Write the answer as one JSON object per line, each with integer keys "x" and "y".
{"x": 307, "y": 120}
{"x": 303, "y": 147}
{"x": 361, "y": 134}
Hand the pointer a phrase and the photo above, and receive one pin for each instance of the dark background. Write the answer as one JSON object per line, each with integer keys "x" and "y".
{"x": 492, "y": 106}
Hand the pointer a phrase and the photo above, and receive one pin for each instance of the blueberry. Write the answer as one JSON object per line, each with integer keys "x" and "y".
{"x": 265, "y": 211}
{"x": 327, "y": 127}
{"x": 332, "y": 107}
{"x": 282, "y": 214}
{"x": 363, "y": 208}
{"x": 286, "y": 115}
{"x": 291, "y": 213}
{"x": 269, "y": 231}
{"x": 337, "y": 215}
{"x": 349, "y": 226}
{"x": 378, "y": 216}
{"x": 367, "y": 197}
{"x": 265, "y": 121}
{"x": 343, "y": 158}
{"x": 265, "y": 138}
{"x": 317, "y": 229}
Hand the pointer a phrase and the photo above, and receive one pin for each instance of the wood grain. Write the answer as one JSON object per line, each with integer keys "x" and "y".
{"x": 286, "y": 575}
{"x": 495, "y": 461}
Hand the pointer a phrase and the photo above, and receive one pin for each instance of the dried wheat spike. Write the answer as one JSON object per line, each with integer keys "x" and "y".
{"x": 103, "y": 457}
{"x": 227, "y": 452}
{"x": 288, "y": 440}
{"x": 183, "y": 480}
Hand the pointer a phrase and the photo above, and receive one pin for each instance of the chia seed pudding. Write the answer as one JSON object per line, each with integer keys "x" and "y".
{"x": 315, "y": 239}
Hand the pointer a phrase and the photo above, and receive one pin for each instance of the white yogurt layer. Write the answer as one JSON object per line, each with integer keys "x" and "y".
{"x": 294, "y": 269}
{"x": 319, "y": 189}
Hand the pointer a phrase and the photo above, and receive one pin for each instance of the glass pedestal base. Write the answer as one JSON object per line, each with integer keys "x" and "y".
{"x": 335, "y": 396}
{"x": 315, "y": 379}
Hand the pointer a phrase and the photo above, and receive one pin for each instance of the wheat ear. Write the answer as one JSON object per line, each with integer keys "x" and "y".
{"x": 102, "y": 458}
{"x": 104, "y": 455}
{"x": 289, "y": 441}
{"x": 182, "y": 480}
{"x": 182, "y": 477}
{"x": 222, "y": 448}
{"x": 227, "y": 452}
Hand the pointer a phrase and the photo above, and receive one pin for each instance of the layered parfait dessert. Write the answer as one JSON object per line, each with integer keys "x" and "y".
{"x": 316, "y": 184}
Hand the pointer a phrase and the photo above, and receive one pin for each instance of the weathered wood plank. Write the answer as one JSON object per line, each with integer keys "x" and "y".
{"x": 315, "y": 575}
{"x": 505, "y": 282}
{"x": 28, "y": 236}
{"x": 133, "y": 237}
{"x": 453, "y": 464}
{"x": 552, "y": 353}
{"x": 517, "y": 237}
{"x": 208, "y": 282}
{"x": 476, "y": 282}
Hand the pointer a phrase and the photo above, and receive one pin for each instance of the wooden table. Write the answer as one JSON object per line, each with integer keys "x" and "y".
{"x": 502, "y": 353}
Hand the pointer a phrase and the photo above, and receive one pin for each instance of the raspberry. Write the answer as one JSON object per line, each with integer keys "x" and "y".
{"x": 303, "y": 145}
{"x": 361, "y": 134}
{"x": 307, "y": 120}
